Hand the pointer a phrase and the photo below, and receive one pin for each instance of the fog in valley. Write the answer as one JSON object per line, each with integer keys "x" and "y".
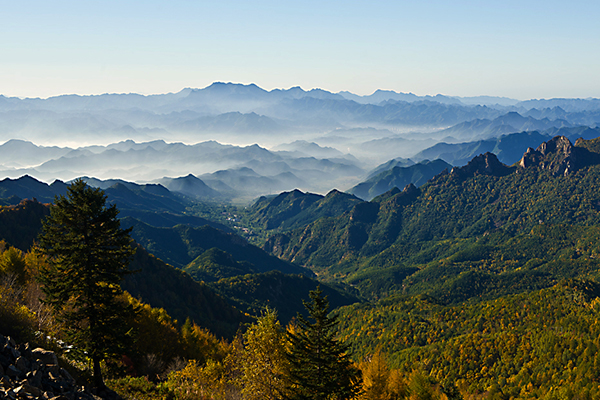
{"x": 243, "y": 142}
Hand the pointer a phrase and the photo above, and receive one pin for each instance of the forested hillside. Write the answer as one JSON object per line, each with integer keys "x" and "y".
{"x": 481, "y": 283}
{"x": 471, "y": 214}
{"x": 485, "y": 277}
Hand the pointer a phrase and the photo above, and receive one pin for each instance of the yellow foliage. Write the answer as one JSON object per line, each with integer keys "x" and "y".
{"x": 12, "y": 263}
{"x": 199, "y": 382}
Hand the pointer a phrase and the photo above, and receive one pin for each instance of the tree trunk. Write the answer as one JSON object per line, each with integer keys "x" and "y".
{"x": 98, "y": 380}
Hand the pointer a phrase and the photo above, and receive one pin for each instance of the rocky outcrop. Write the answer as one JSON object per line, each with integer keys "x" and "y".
{"x": 483, "y": 164}
{"x": 558, "y": 156}
{"x": 27, "y": 373}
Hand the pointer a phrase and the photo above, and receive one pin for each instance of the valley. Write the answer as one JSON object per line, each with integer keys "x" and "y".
{"x": 457, "y": 242}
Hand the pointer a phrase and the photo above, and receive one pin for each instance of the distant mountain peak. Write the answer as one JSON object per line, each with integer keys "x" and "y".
{"x": 189, "y": 185}
{"x": 230, "y": 84}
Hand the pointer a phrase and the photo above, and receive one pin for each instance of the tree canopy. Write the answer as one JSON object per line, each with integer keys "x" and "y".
{"x": 320, "y": 366}
{"x": 88, "y": 257}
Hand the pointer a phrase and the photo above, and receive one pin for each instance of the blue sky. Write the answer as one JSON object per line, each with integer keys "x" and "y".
{"x": 520, "y": 49}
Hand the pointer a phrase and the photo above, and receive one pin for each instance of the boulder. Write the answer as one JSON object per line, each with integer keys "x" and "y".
{"x": 44, "y": 356}
{"x": 13, "y": 372}
{"x": 22, "y": 364}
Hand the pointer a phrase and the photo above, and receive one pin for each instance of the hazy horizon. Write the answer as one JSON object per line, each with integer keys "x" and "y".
{"x": 287, "y": 88}
{"x": 515, "y": 49}
{"x": 491, "y": 95}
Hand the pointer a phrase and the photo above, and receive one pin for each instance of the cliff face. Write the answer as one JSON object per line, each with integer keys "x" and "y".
{"x": 559, "y": 156}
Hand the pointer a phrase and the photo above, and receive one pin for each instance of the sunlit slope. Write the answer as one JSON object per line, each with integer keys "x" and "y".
{"x": 387, "y": 244}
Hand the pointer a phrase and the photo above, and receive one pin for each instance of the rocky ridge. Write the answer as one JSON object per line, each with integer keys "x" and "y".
{"x": 559, "y": 156}
{"x": 483, "y": 164}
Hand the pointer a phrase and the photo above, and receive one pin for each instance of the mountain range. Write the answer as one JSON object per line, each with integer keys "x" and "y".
{"x": 225, "y": 171}
{"x": 279, "y": 140}
{"x": 399, "y": 177}
{"x": 456, "y": 234}
{"x": 485, "y": 275}
{"x": 248, "y": 114}
{"x": 508, "y": 148}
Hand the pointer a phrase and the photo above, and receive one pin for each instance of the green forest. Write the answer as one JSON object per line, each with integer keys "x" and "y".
{"x": 483, "y": 283}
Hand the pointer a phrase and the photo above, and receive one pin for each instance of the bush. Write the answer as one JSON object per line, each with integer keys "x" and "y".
{"x": 139, "y": 389}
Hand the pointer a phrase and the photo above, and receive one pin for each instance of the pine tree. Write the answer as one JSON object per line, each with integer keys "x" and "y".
{"x": 88, "y": 256}
{"x": 320, "y": 366}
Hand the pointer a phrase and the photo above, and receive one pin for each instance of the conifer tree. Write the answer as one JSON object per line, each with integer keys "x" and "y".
{"x": 320, "y": 366}
{"x": 88, "y": 254}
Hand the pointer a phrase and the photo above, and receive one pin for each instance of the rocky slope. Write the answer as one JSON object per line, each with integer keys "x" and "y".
{"x": 27, "y": 373}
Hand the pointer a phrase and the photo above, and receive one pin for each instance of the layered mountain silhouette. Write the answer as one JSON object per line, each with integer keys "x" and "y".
{"x": 151, "y": 203}
{"x": 234, "y": 171}
{"x": 509, "y": 148}
{"x": 504, "y": 124}
{"x": 399, "y": 177}
{"x": 242, "y": 113}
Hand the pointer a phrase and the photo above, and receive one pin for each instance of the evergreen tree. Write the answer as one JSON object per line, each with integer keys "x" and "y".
{"x": 88, "y": 256}
{"x": 320, "y": 367}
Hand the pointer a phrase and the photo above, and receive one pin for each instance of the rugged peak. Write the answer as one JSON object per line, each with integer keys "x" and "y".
{"x": 559, "y": 156}
{"x": 483, "y": 164}
{"x": 558, "y": 144}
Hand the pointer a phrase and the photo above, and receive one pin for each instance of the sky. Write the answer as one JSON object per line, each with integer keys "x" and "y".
{"x": 519, "y": 49}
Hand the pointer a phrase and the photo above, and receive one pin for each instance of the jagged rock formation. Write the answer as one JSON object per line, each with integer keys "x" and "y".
{"x": 483, "y": 164}
{"x": 27, "y": 373}
{"x": 559, "y": 156}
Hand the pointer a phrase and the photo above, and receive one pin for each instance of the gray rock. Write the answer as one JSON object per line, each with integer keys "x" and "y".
{"x": 10, "y": 352}
{"x": 6, "y": 384}
{"x": 52, "y": 370}
{"x": 34, "y": 378}
{"x": 13, "y": 372}
{"x": 11, "y": 395}
{"x": 35, "y": 365}
{"x": 22, "y": 364}
{"x": 24, "y": 350}
{"x": 28, "y": 389}
{"x": 65, "y": 374}
{"x": 44, "y": 356}
{"x": 4, "y": 361}
{"x": 27, "y": 374}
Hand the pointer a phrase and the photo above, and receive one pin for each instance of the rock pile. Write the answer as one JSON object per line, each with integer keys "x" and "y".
{"x": 35, "y": 374}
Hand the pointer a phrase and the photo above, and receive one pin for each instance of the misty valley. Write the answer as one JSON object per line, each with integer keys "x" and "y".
{"x": 436, "y": 247}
